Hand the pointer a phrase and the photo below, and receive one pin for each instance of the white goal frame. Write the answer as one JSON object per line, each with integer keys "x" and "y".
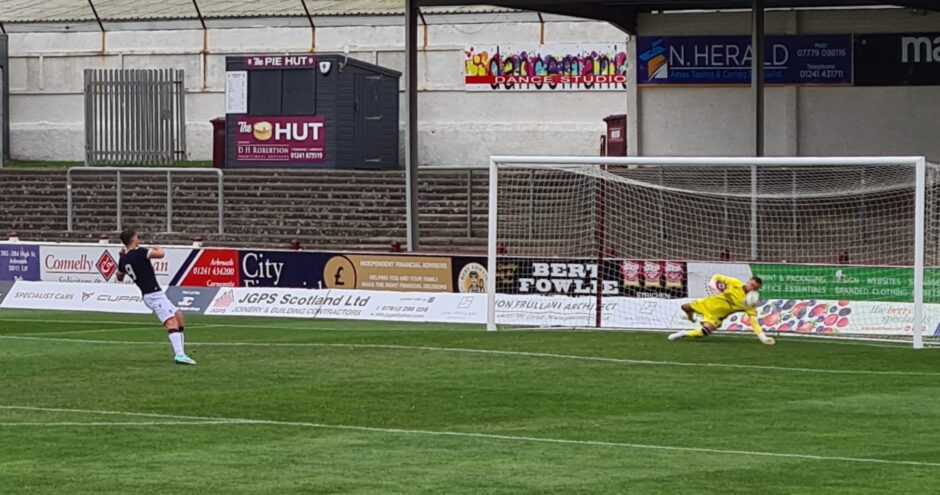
{"x": 918, "y": 162}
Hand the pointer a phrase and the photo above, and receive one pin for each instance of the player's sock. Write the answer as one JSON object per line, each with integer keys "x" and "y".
{"x": 176, "y": 340}
{"x": 698, "y": 332}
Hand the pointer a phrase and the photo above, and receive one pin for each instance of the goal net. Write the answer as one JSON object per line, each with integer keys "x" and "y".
{"x": 620, "y": 243}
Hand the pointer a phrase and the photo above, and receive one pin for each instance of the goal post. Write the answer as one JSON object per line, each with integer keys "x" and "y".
{"x": 845, "y": 245}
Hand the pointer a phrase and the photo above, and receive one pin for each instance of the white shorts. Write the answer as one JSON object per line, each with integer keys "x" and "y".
{"x": 160, "y": 305}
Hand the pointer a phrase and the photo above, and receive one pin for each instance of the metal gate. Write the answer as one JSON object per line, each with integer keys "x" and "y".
{"x": 134, "y": 117}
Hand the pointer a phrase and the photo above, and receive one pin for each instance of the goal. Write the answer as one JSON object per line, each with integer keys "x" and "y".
{"x": 841, "y": 244}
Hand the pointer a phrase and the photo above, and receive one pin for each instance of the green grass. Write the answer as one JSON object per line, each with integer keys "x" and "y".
{"x": 56, "y": 165}
{"x": 379, "y": 408}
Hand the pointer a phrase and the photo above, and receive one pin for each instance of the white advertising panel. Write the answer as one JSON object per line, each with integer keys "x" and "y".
{"x": 107, "y": 298}
{"x": 350, "y": 304}
{"x": 99, "y": 263}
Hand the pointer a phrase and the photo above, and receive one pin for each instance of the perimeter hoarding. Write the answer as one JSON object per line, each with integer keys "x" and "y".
{"x": 19, "y": 262}
{"x": 349, "y": 305}
{"x": 99, "y": 263}
{"x": 64, "y": 296}
{"x": 583, "y": 277}
{"x": 778, "y": 315}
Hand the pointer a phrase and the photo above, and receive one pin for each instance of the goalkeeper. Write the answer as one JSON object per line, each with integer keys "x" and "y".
{"x": 735, "y": 296}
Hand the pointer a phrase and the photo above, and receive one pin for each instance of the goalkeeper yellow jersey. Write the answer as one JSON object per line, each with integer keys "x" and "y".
{"x": 717, "y": 307}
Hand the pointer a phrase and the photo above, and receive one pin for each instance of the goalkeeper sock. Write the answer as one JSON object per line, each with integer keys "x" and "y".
{"x": 698, "y": 332}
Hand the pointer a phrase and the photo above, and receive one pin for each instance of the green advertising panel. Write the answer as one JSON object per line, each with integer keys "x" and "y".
{"x": 853, "y": 283}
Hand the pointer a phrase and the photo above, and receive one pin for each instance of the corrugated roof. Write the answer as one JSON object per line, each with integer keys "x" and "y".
{"x": 143, "y": 10}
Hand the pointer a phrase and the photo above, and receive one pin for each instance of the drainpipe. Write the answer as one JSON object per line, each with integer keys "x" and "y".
{"x": 104, "y": 37}
{"x": 313, "y": 27}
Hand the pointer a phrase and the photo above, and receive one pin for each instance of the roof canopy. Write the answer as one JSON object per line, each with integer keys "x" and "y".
{"x": 623, "y": 13}
{"x": 23, "y": 11}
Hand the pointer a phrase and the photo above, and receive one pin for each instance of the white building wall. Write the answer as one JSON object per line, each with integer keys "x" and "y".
{"x": 456, "y": 127}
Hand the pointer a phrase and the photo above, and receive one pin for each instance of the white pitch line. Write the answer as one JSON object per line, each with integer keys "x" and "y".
{"x": 116, "y": 424}
{"x": 483, "y": 436}
{"x": 495, "y": 352}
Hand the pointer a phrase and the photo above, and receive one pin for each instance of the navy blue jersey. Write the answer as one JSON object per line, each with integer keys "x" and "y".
{"x": 136, "y": 265}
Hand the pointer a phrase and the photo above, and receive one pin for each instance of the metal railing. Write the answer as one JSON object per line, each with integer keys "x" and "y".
{"x": 169, "y": 190}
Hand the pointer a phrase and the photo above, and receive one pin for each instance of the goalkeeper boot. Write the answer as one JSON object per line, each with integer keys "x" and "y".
{"x": 678, "y": 335}
{"x": 184, "y": 359}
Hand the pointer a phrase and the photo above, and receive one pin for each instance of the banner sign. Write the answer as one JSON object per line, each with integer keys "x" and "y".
{"x": 107, "y": 298}
{"x": 469, "y": 274}
{"x": 797, "y": 59}
{"x": 191, "y": 300}
{"x": 98, "y": 263}
{"x": 392, "y": 273}
{"x": 19, "y": 262}
{"x": 858, "y": 283}
{"x": 350, "y": 305}
{"x": 553, "y": 67}
{"x": 210, "y": 268}
{"x": 908, "y": 59}
{"x": 581, "y": 311}
{"x": 280, "y": 62}
{"x": 281, "y": 269}
{"x": 280, "y": 139}
{"x": 580, "y": 277}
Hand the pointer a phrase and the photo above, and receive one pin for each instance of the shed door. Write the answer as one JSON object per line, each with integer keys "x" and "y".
{"x": 369, "y": 123}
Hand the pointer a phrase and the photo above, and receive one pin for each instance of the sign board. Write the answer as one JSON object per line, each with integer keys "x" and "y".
{"x": 389, "y": 272}
{"x": 98, "y": 263}
{"x": 19, "y": 262}
{"x": 551, "y": 67}
{"x": 349, "y": 305}
{"x": 108, "y": 298}
{"x": 908, "y": 59}
{"x": 582, "y": 277}
{"x": 280, "y": 139}
{"x": 705, "y": 60}
{"x": 281, "y": 62}
{"x": 236, "y": 91}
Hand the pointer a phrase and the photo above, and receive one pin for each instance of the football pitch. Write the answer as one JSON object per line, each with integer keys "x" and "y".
{"x": 92, "y": 404}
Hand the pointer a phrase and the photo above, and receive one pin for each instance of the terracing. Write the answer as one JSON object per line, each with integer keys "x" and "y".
{"x": 322, "y": 209}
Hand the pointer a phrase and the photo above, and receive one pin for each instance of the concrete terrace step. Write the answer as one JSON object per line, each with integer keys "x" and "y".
{"x": 334, "y": 209}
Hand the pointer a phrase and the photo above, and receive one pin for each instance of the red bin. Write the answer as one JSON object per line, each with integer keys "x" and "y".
{"x": 218, "y": 142}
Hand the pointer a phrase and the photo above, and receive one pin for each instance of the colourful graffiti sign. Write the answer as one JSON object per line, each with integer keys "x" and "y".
{"x": 561, "y": 67}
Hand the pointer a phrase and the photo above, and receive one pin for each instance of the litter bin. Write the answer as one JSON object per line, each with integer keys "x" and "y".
{"x": 218, "y": 142}
{"x": 616, "y": 135}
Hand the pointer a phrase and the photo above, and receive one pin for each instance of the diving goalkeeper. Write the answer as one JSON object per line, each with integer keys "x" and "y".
{"x": 734, "y": 297}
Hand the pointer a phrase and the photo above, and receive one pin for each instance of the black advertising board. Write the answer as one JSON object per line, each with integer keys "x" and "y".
{"x": 579, "y": 277}
{"x": 897, "y": 59}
